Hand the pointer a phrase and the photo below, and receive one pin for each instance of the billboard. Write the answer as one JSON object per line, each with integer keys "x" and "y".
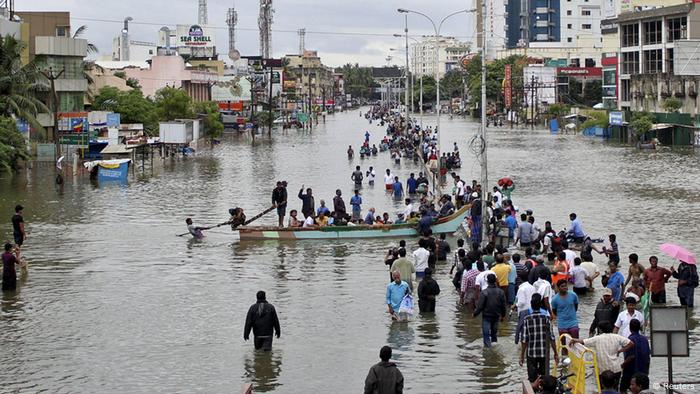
{"x": 196, "y": 36}
{"x": 508, "y": 87}
{"x": 545, "y": 82}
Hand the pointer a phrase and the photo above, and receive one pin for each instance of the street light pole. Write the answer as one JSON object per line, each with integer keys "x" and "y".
{"x": 484, "y": 169}
{"x": 437, "y": 29}
{"x": 405, "y": 31}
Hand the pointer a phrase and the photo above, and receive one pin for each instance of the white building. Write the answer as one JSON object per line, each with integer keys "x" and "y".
{"x": 137, "y": 50}
{"x": 451, "y": 51}
{"x": 580, "y": 28}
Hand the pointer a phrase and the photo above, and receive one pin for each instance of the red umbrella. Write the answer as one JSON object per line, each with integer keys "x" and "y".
{"x": 678, "y": 252}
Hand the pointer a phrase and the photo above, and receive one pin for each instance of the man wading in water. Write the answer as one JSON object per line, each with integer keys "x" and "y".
{"x": 262, "y": 319}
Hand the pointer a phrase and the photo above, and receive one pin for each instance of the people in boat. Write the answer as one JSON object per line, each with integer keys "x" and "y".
{"x": 237, "y": 217}
{"x": 357, "y": 177}
{"x": 309, "y": 222}
{"x": 447, "y": 207}
{"x": 307, "y": 202}
{"x": 339, "y": 207}
{"x": 385, "y": 218}
{"x": 323, "y": 209}
{"x": 369, "y": 218}
{"x": 371, "y": 174}
{"x": 356, "y": 203}
{"x": 293, "y": 220}
{"x": 400, "y": 219}
{"x": 279, "y": 200}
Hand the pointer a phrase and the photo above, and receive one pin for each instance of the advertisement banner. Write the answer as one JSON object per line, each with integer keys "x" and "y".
{"x": 195, "y": 36}
{"x": 616, "y": 118}
{"x": 508, "y": 87}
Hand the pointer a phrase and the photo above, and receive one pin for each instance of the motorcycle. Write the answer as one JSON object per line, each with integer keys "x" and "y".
{"x": 563, "y": 377}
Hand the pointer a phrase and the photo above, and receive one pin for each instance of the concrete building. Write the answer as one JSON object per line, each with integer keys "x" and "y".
{"x": 309, "y": 76}
{"x": 137, "y": 50}
{"x": 450, "y": 50}
{"x": 171, "y": 71}
{"x": 648, "y": 42}
{"x": 567, "y": 32}
{"x": 496, "y": 25}
{"x": 44, "y": 24}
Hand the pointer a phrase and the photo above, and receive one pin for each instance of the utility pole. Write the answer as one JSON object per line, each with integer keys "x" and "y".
{"x": 269, "y": 104}
{"x": 532, "y": 102}
{"x": 405, "y": 31}
{"x": 484, "y": 169}
{"x": 54, "y": 106}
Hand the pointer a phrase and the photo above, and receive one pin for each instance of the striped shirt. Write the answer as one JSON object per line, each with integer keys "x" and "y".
{"x": 606, "y": 347}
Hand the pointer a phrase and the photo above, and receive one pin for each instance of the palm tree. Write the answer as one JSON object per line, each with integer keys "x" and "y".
{"x": 89, "y": 65}
{"x": 19, "y": 84}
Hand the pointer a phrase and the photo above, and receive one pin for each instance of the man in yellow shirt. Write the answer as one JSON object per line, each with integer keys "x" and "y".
{"x": 322, "y": 220}
{"x": 501, "y": 268}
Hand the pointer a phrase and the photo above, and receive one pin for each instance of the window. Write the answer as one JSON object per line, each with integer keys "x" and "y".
{"x": 677, "y": 28}
{"x": 575, "y": 63}
{"x": 652, "y": 32}
{"x": 586, "y": 26}
{"x": 630, "y": 35}
{"x": 669, "y": 60}
{"x": 625, "y": 91}
{"x": 569, "y": 13}
{"x": 652, "y": 61}
{"x": 586, "y": 12}
{"x": 62, "y": 31}
{"x": 569, "y": 39}
{"x": 609, "y": 77}
{"x": 630, "y": 62}
{"x": 569, "y": 26}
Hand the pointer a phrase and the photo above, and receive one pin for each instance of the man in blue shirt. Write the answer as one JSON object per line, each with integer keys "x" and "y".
{"x": 576, "y": 230}
{"x": 369, "y": 219}
{"x": 424, "y": 223}
{"x": 564, "y": 305}
{"x": 395, "y": 292}
{"x": 512, "y": 225}
{"x": 356, "y": 202}
{"x": 398, "y": 188}
{"x": 615, "y": 281}
{"x": 411, "y": 184}
{"x": 637, "y": 359}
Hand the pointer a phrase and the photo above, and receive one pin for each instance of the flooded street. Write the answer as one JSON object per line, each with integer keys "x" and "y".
{"x": 116, "y": 302}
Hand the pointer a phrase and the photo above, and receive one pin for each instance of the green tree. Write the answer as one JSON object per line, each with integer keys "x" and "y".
{"x": 172, "y": 103}
{"x": 642, "y": 122}
{"x": 429, "y": 92}
{"x": 208, "y": 111}
{"x": 13, "y": 147}
{"x": 495, "y": 74}
{"x": 132, "y": 106}
{"x": 120, "y": 74}
{"x": 133, "y": 83}
{"x": 452, "y": 84}
{"x": 672, "y": 104}
{"x": 358, "y": 80}
{"x": 597, "y": 119}
{"x": 19, "y": 84}
{"x": 558, "y": 110}
{"x": 592, "y": 93}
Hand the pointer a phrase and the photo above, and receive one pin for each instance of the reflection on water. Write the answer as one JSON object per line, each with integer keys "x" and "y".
{"x": 262, "y": 369}
{"x": 111, "y": 287}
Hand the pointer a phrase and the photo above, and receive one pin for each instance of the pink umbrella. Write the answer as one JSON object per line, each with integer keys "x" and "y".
{"x": 678, "y": 253}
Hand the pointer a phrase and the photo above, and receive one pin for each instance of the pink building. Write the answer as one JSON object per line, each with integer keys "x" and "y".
{"x": 172, "y": 71}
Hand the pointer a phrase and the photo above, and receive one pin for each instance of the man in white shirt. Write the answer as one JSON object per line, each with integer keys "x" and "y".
{"x": 570, "y": 254}
{"x": 522, "y": 302}
{"x": 544, "y": 288}
{"x": 482, "y": 279}
{"x": 592, "y": 270}
{"x": 389, "y": 180}
{"x": 420, "y": 259}
{"x": 309, "y": 222}
{"x": 407, "y": 209}
{"x": 497, "y": 193}
{"x": 622, "y": 324}
{"x": 370, "y": 176}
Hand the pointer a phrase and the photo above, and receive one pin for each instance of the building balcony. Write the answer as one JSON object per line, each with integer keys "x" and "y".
{"x": 61, "y": 46}
{"x": 71, "y": 85}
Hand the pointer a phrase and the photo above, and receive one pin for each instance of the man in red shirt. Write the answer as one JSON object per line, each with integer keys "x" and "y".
{"x": 655, "y": 279}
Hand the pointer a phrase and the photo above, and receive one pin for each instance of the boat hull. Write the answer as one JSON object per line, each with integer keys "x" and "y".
{"x": 449, "y": 224}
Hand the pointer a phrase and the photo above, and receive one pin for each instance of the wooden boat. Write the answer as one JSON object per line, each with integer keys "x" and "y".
{"x": 448, "y": 224}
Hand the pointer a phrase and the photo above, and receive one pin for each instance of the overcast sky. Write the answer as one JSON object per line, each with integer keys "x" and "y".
{"x": 370, "y": 24}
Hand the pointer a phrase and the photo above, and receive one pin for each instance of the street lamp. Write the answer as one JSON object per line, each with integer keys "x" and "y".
{"x": 415, "y": 67}
{"x": 436, "y": 28}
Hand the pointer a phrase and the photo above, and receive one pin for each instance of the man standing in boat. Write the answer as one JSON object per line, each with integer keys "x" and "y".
{"x": 341, "y": 212}
{"x": 279, "y": 200}
{"x": 307, "y": 202}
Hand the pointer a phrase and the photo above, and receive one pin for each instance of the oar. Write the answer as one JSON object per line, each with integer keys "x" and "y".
{"x": 256, "y": 217}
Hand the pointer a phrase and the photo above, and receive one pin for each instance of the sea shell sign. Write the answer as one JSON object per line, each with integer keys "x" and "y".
{"x": 466, "y": 59}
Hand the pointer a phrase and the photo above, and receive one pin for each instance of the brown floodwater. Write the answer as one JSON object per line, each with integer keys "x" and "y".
{"x": 115, "y": 302}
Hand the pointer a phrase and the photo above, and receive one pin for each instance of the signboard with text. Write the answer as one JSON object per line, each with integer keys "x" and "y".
{"x": 616, "y": 118}
{"x": 508, "y": 87}
{"x": 580, "y": 71}
{"x": 195, "y": 36}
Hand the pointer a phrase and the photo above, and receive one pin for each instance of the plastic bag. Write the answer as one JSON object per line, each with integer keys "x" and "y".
{"x": 406, "y": 305}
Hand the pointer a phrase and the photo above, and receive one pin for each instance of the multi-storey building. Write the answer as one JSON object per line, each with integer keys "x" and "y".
{"x": 450, "y": 50}
{"x": 648, "y": 40}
